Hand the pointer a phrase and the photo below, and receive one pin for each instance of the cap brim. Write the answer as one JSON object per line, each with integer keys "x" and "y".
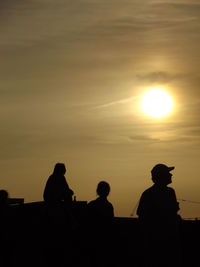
{"x": 171, "y": 168}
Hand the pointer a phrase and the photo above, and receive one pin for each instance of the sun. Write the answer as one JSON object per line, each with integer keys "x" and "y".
{"x": 157, "y": 103}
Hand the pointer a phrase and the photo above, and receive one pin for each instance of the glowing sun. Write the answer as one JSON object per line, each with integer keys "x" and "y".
{"x": 157, "y": 103}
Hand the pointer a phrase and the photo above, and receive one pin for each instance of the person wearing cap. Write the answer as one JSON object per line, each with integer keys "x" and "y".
{"x": 158, "y": 217}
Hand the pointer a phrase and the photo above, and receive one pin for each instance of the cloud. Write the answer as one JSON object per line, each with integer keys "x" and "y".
{"x": 143, "y": 138}
{"x": 158, "y": 77}
{"x": 182, "y": 5}
{"x": 28, "y": 23}
{"x": 109, "y": 104}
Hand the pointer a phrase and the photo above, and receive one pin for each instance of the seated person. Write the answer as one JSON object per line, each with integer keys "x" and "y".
{"x": 57, "y": 189}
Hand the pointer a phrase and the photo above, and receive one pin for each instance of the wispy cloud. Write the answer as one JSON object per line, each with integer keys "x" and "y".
{"x": 159, "y": 77}
{"x": 117, "y": 102}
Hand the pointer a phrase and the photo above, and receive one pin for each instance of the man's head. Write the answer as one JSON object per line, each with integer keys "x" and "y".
{"x": 161, "y": 174}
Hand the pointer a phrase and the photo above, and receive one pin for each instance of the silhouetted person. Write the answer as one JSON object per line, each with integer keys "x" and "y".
{"x": 3, "y": 200}
{"x": 100, "y": 222}
{"x": 57, "y": 188}
{"x": 4, "y": 228}
{"x": 158, "y": 219}
{"x": 100, "y": 209}
{"x": 58, "y": 198}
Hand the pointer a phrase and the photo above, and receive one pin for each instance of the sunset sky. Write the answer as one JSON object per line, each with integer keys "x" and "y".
{"x": 72, "y": 77}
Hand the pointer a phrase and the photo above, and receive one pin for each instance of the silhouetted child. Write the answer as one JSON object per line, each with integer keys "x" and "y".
{"x": 100, "y": 209}
{"x": 100, "y": 222}
{"x": 158, "y": 219}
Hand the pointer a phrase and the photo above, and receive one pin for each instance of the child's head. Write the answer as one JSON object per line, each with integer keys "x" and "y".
{"x": 103, "y": 189}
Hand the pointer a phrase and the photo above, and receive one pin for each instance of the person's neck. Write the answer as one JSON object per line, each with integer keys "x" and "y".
{"x": 103, "y": 197}
{"x": 161, "y": 186}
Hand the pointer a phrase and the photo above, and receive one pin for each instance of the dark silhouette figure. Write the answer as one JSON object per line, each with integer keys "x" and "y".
{"x": 100, "y": 209}
{"x": 59, "y": 235}
{"x": 4, "y": 228}
{"x": 57, "y": 188}
{"x": 159, "y": 221}
{"x": 3, "y": 200}
{"x": 100, "y": 222}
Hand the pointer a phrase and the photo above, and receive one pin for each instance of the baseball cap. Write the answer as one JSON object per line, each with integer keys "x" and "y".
{"x": 161, "y": 168}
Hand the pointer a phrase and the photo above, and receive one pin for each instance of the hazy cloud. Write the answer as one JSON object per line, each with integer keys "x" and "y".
{"x": 159, "y": 77}
{"x": 143, "y": 138}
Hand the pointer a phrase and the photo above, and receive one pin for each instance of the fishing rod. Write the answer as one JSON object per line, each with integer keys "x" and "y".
{"x": 134, "y": 209}
{"x": 189, "y": 201}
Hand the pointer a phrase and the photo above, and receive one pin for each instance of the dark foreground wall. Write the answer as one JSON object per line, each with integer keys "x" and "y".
{"x": 32, "y": 236}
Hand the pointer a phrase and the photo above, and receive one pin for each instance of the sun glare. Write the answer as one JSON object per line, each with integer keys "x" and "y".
{"x": 157, "y": 103}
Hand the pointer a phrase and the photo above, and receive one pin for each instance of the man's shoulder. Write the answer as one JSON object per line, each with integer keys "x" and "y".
{"x": 147, "y": 194}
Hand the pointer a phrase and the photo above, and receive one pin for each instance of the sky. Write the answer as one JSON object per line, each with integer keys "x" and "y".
{"x": 72, "y": 76}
